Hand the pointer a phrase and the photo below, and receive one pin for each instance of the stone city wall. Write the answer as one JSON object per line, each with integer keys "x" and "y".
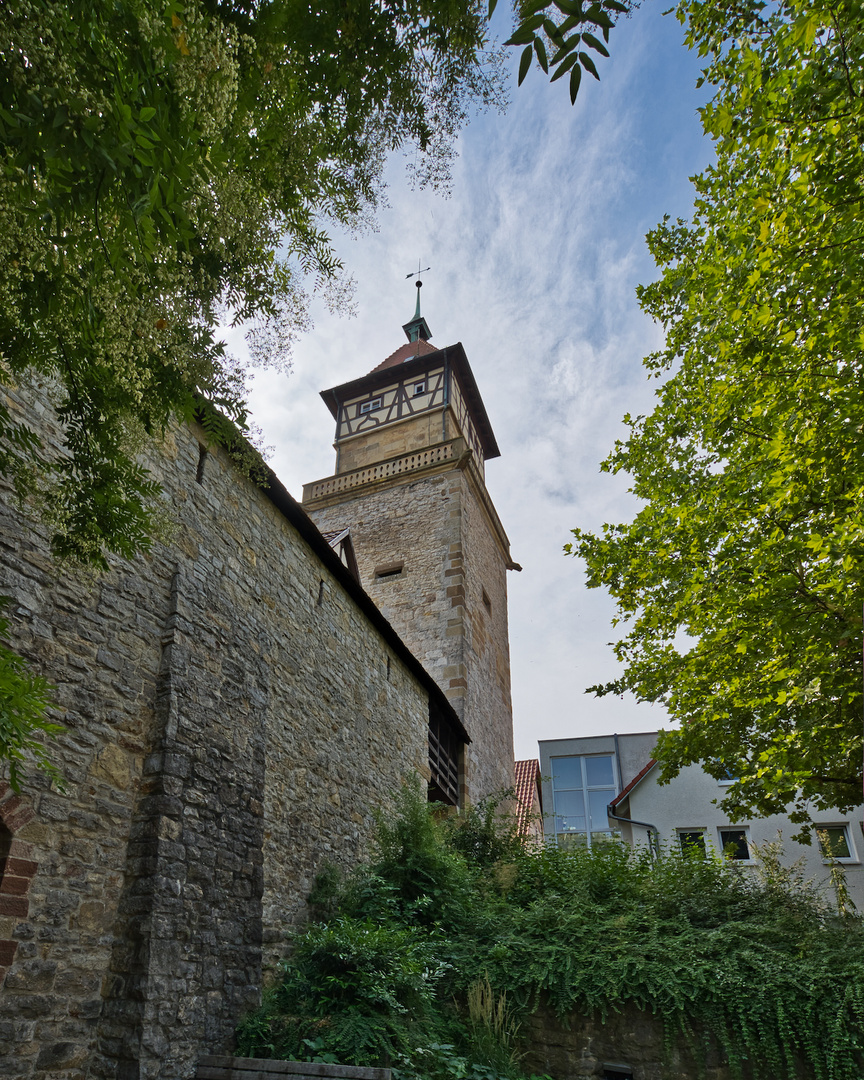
{"x": 233, "y": 716}
{"x": 629, "y": 1043}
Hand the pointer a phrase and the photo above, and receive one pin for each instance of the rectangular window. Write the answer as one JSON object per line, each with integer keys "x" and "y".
{"x": 389, "y": 570}
{"x": 582, "y": 788}
{"x": 834, "y": 843}
{"x": 692, "y": 841}
{"x": 369, "y": 406}
{"x": 734, "y": 843}
{"x": 419, "y": 388}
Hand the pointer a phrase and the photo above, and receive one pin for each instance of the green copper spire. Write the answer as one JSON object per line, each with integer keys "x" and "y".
{"x": 417, "y": 328}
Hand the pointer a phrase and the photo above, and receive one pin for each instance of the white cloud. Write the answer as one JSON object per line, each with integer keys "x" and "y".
{"x": 534, "y": 263}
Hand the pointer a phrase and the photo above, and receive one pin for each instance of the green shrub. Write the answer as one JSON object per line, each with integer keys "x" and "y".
{"x": 760, "y": 960}
{"x": 356, "y": 991}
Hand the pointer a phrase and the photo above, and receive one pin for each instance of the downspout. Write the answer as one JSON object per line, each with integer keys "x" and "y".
{"x": 618, "y": 760}
{"x": 653, "y": 831}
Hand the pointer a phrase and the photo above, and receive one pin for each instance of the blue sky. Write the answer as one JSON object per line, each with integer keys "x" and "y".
{"x": 534, "y": 261}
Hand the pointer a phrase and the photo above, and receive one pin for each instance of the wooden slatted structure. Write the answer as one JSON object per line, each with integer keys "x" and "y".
{"x": 215, "y": 1067}
{"x": 446, "y": 746}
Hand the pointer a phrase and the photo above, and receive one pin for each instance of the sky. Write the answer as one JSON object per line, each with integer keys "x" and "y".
{"x": 534, "y": 261}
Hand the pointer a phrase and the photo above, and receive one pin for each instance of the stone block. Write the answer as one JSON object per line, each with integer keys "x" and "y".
{"x": 14, "y": 905}
{"x": 62, "y": 1055}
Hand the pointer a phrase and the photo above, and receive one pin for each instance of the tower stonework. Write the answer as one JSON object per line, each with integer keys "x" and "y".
{"x": 412, "y": 440}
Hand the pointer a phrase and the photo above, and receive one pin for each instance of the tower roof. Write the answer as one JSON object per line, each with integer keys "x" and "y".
{"x": 406, "y": 352}
{"x": 417, "y": 361}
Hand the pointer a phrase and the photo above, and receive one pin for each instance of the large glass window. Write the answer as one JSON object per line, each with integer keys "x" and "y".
{"x": 582, "y": 788}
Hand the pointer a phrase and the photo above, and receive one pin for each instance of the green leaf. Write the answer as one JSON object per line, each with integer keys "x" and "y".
{"x": 525, "y": 63}
{"x": 565, "y": 66}
{"x": 540, "y": 49}
{"x": 521, "y": 37}
{"x": 575, "y": 79}
{"x": 588, "y": 64}
{"x": 597, "y": 15}
{"x": 593, "y": 43}
{"x": 552, "y": 31}
{"x": 572, "y": 43}
{"x": 532, "y": 8}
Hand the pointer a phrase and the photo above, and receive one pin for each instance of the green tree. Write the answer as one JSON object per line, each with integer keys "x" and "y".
{"x": 740, "y": 577}
{"x": 170, "y": 167}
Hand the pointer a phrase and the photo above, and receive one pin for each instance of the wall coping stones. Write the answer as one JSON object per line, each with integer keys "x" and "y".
{"x": 217, "y": 1067}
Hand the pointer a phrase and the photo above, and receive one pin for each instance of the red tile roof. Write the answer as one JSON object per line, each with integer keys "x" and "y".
{"x": 527, "y": 788}
{"x": 332, "y": 535}
{"x": 406, "y": 352}
{"x": 633, "y": 782}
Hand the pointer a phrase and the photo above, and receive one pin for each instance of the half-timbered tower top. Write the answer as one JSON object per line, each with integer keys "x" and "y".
{"x": 418, "y": 396}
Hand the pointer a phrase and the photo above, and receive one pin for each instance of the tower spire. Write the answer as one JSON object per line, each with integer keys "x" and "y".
{"x": 417, "y": 328}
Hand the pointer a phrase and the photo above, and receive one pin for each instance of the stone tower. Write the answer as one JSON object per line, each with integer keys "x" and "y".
{"x": 412, "y": 441}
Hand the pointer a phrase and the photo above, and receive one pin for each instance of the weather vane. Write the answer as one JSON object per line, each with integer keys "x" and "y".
{"x": 418, "y": 271}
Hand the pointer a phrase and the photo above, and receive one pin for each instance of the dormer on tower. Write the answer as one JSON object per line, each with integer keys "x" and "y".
{"x": 412, "y": 440}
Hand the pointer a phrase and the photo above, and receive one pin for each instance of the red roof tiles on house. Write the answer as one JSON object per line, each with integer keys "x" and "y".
{"x": 406, "y": 352}
{"x": 527, "y": 788}
{"x": 626, "y": 791}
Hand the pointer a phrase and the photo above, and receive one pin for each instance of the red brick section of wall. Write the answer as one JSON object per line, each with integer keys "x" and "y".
{"x": 17, "y": 867}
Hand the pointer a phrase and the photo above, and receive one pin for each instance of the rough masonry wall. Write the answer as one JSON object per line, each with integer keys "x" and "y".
{"x": 487, "y": 642}
{"x": 626, "y": 1040}
{"x": 232, "y": 720}
{"x": 435, "y": 526}
{"x": 418, "y": 524}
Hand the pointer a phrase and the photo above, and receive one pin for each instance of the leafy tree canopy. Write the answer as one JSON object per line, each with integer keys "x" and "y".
{"x": 168, "y": 167}
{"x": 739, "y": 580}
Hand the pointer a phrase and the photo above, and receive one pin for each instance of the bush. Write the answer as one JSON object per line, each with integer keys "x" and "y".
{"x": 430, "y": 955}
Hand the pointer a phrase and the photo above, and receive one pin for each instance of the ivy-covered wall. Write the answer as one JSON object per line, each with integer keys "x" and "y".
{"x": 628, "y": 1042}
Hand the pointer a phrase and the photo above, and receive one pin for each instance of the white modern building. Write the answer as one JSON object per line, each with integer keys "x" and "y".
{"x": 584, "y": 777}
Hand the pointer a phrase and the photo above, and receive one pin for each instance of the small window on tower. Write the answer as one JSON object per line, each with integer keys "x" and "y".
{"x": 419, "y": 388}
{"x": 390, "y": 570}
{"x": 487, "y": 603}
{"x": 369, "y": 406}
